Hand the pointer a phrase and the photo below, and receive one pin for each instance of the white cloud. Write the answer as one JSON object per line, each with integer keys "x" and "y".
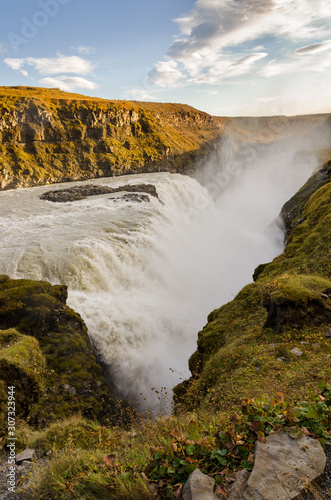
{"x": 57, "y": 66}
{"x": 210, "y": 45}
{"x": 313, "y": 62}
{"x": 231, "y": 22}
{"x": 68, "y": 83}
{"x": 15, "y": 64}
{"x": 53, "y": 65}
{"x": 83, "y": 49}
{"x": 258, "y": 48}
{"x": 140, "y": 95}
{"x": 166, "y": 74}
{"x": 315, "y": 48}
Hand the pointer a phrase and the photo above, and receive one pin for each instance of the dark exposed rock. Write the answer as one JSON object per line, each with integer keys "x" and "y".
{"x": 80, "y": 192}
{"x": 284, "y": 312}
{"x": 135, "y": 197}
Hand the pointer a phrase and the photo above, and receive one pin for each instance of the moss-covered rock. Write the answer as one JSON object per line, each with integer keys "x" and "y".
{"x": 296, "y": 300}
{"x": 22, "y": 367}
{"x": 292, "y": 212}
{"x": 73, "y": 381}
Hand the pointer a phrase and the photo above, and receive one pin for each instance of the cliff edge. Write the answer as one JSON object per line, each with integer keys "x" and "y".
{"x": 49, "y": 136}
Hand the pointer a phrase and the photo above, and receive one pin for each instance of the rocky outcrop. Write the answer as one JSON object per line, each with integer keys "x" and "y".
{"x": 49, "y": 136}
{"x": 294, "y": 301}
{"x": 80, "y": 192}
{"x": 44, "y": 350}
{"x": 292, "y": 211}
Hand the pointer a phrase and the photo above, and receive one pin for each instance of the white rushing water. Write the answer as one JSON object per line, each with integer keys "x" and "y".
{"x": 144, "y": 276}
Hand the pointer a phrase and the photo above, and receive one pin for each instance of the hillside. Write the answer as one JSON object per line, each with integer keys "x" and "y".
{"x": 48, "y": 136}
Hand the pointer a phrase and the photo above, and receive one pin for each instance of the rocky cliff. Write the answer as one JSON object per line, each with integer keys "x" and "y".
{"x": 49, "y": 136}
{"x": 46, "y": 354}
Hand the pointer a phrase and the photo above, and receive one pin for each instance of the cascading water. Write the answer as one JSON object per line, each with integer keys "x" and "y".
{"x": 144, "y": 276}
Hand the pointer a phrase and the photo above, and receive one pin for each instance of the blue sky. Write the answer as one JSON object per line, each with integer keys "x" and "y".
{"x": 226, "y": 57}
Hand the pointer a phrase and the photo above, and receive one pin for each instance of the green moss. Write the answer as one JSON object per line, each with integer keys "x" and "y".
{"x": 300, "y": 289}
{"x": 38, "y": 309}
{"x": 308, "y": 249}
{"x": 22, "y": 366}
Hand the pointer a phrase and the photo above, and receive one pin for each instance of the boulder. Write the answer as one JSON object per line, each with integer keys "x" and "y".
{"x": 26, "y": 456}
{"x": 296, "y": 351}
{"x": 199, "y": 487}
{"x": 238, "y": 488}
{"x": 284, "y": 467}
{"x": 69, "y": 389}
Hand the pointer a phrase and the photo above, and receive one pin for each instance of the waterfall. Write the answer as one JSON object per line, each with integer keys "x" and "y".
{"x": 144, "y": 276}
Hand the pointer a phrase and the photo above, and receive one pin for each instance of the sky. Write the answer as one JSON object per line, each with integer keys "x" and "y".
{"x": 225, "y": 57}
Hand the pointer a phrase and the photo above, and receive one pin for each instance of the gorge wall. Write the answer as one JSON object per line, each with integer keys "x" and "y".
{"x": 49, "y": 136}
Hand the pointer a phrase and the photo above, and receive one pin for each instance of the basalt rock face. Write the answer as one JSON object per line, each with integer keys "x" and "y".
{"x": 49, "y": 136}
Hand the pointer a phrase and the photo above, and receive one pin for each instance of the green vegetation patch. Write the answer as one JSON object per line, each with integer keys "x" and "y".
{"x": 22, "y": 367}
{"x": 20, "y": 354}
{"x": 300, "y": 289}
{"x": 155, "y": 458}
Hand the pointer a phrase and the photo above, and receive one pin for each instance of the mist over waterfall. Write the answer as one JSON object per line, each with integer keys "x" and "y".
{"x": 144, "y": 276}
